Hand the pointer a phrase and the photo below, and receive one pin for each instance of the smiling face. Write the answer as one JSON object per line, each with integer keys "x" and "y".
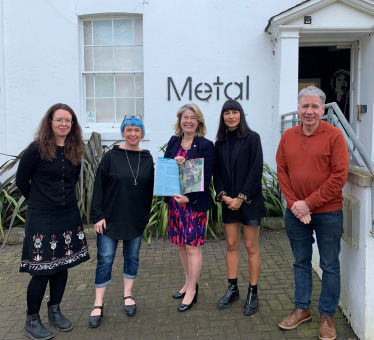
{"x": 189, "y": 122}
{"x": 132, "y": 135}
{"x": 231, "y": 119}
{"x": 310, "y": 110}
{"x": 61, "y": 123}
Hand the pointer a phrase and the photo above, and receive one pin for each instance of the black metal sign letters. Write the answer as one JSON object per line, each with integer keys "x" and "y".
{"x": 204, "y": 91}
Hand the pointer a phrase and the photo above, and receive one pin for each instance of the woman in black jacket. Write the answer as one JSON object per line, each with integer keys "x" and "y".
{"x": 237, "y": 181}
{"x": 54, "y": 238}
{"x": 187, "y": 214}
{"x": 121, "y": 206}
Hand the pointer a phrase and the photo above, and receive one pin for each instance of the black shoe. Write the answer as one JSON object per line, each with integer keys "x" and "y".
{"x": 95, "y": 321}
{"x": 131, "y": 309}
{"x": 251, "y": 304}
{"x": 182, "y": 307}
{"x": 34, "y": 328}
{"x": 232, "y": 295}
{"x": 179, "y": 295}
{"x": 56, "y": 318}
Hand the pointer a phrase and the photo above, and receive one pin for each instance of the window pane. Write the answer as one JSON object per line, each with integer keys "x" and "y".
{"x": 138, "y": 58}
{"x": 138, "y": 31}
{"x": 124, "y": 107}
{"x": 139, "y": 85}
{"x": 88, "y": 58}
{"x": 102, "y": 32}
{"x": 104, "y": 85}
{"x": 89, "y": 85}
{"x": 105, "y": 110}
{"x": 124, "y": 85}
{"x": 90, "y": 107}
{"x": 123, "y": 58}
{"x": 87, "y": 29}
{"x": 122, "y": 31}
{"x": 140, "y": 107}
{"x": 103, "y": 58}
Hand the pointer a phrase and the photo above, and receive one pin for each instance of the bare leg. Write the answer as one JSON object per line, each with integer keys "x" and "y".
{"x": 98, "y": 300}
{"x": 195, "y": 260}
{"x": 232, "y": 251}
{"x": 251, "y": 236}
{"x": 128, "y": 283}
{"x": 184, "y": 260}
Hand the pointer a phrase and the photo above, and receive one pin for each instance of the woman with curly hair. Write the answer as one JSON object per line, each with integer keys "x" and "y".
{"x": 54, "y": 238}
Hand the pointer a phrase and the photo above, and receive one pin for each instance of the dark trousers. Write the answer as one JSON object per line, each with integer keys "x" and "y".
{"x": 38, "y": 285}
{"x": 328, "y": 228}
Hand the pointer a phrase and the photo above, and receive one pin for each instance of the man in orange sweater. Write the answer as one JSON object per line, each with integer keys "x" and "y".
{"x": 312, "y": 165}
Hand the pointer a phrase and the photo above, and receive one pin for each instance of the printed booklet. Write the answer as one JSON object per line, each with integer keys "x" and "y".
{"x": 171, "y": 178}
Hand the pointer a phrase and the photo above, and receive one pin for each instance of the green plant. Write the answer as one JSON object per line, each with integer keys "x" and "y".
{"x": 271, "y": 192}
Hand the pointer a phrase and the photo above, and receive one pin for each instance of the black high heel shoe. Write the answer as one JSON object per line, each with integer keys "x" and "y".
{"x": 182, "y": 307}
{"x": 178, "y": 295}
{"x": 95, "y": 320}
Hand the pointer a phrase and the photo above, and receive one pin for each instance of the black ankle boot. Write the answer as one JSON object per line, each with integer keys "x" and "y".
{"x": 56, "y": 318}
{"x": 34, "y": 328}
{"x": 232, "y": 295}
{"x": 251, "y": 304}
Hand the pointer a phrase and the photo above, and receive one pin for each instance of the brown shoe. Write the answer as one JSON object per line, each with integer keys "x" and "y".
{"x": 327, "y": 329}
{"x": 297, "y": 317}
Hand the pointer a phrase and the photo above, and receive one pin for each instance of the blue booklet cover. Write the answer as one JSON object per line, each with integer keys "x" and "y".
{"x": 171, "y": 178}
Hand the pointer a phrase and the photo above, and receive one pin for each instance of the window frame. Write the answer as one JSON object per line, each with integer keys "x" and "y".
{"x": 105, "y": 127}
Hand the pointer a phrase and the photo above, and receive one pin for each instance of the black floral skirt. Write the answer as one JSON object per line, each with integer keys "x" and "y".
{"x": 54, "y": 240}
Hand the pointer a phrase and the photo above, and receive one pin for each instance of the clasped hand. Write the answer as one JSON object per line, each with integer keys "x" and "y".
{"x": 232, "y": 203}
{"x": 301, "y": 210}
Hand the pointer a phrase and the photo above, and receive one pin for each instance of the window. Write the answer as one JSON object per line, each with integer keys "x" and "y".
{"x": 113, "y": 70}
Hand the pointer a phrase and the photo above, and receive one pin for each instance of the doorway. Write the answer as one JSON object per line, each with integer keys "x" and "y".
{"x": 329, "y": 68}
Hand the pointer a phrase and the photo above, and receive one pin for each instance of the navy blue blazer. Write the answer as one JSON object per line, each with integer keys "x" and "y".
{"x": 200, "y": 148}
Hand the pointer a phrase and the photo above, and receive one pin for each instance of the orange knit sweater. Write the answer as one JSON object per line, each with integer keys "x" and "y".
{"x": 313, "y": 168}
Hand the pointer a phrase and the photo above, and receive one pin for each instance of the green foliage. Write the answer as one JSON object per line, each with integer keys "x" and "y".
{"x": 271, "y": 192}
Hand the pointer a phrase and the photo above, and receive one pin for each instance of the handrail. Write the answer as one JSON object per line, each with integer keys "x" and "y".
{"x": 357, "y": 152}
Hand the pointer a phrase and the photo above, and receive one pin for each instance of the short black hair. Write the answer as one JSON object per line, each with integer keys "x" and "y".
{"x": 243, "y": 129}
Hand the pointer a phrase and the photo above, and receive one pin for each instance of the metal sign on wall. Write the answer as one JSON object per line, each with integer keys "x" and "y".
{"x": 204, "y": 91}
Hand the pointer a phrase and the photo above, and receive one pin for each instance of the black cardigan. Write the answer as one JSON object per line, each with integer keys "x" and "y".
{"x": 243, "y": 177}
{"x": 124, "y": 206}
{"x": 200, "y": 148}
{"x": 52, "y": 184}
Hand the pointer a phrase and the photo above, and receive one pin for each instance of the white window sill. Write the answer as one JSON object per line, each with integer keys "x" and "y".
{"x": 108, "y": 134}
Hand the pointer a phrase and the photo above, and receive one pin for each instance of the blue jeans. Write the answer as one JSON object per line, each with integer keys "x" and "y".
{"x": 106, "y": 251}
{"x": 329, "y": 230}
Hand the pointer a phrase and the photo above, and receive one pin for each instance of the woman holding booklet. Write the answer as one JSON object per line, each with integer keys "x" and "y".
{"x": 120, "y": 209}
{"x": 237, "y": 181}
{"x": 187, "y": 214}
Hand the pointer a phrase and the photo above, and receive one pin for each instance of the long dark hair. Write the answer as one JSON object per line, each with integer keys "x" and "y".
{"x": 242, "y": 130}
{"x": 74, "y": 145}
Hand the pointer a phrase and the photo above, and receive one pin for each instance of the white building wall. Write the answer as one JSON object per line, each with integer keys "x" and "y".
{"x": 184, "y": 38}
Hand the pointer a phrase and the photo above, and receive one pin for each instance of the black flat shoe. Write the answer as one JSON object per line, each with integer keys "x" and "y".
{"x": 95, "y": 321}
{"x": 182, "y": 307}
{"x": 130, "y": 309}
{"x": 251, "y": 304}
{"x": 231, "y": 295}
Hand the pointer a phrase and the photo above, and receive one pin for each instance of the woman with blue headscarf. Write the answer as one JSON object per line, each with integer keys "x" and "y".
{"x": 120, "y": 209}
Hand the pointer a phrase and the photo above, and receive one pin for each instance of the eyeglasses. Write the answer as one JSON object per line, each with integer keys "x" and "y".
{"x": 131, "y": 117}
{"x": 60, "y": 121}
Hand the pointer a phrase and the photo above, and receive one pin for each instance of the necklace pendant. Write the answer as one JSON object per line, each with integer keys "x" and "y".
{"x": 135, "y": 183}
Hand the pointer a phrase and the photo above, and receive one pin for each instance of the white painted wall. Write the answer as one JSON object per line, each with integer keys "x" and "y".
{"x": 181, "y": 38}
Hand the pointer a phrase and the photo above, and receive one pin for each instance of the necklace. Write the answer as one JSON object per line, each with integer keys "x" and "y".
{"x": 189, "y": 147}
{"x": 135, "y": 178}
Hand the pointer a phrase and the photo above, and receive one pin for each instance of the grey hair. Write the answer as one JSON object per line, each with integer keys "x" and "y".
{"x": 313, "y": 92}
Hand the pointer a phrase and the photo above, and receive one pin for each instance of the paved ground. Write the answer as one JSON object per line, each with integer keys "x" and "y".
{"x": 160, "y": 275}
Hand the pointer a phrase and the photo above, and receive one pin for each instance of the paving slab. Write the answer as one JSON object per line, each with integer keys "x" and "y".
{"x": 160, "y": 275}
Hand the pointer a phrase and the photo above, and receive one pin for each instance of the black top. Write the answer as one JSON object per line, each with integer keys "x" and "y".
{"x": 124, "y": 206}
{"x": 52, "y": 184}
{"x": 232, "y": 140}
{"x": 200, "y": 148}
{"x": 242, "y": 176}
